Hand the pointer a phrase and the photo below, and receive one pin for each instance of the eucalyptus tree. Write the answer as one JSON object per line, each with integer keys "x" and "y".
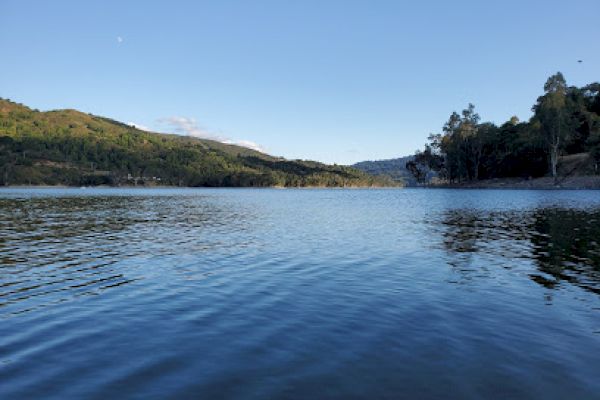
{"x": 472, "y": 141}
{"x": 550, "y": 111}
{"x": 460, "y": 144}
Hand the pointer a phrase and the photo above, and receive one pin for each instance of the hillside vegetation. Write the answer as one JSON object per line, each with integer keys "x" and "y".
{"x": 68, "y": 147}
{"x": 394, "y": 168}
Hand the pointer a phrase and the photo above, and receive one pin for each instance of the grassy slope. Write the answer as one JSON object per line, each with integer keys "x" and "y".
{"x": 73, "y": 148}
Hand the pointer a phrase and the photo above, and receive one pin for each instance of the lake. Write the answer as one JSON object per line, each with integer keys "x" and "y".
{"x": 252, "y": 294}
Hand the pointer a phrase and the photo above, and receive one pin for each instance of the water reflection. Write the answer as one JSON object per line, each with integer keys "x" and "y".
{"x": 562, "y": 243}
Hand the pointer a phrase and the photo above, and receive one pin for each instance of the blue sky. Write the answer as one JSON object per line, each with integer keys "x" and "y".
{"x": 335, "y": 81}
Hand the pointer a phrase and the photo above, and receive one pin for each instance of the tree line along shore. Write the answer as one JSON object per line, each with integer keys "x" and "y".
{"x": 559, "y": 146}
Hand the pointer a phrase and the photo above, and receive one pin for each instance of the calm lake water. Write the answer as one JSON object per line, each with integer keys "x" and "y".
{"x": 183, "y": 293}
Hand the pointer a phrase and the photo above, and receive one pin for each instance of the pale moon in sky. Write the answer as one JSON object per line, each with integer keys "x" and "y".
{"x": 119, "y": 39}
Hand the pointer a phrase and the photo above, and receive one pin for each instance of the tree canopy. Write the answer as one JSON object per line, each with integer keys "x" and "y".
{"x": 565, "y": 121}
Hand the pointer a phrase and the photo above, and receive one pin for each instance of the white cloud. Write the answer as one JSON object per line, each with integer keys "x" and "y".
{"x": 139, "y": 126}
{"x": 189, "y": 127}
{"x": 246, "y": 143}
{"x": 119, "y": 39}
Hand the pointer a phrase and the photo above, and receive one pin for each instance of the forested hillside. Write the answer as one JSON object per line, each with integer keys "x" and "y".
{"x": 68, "y": 147}
{"x": 395, "y": 168}
{"x": 562, "y": 137}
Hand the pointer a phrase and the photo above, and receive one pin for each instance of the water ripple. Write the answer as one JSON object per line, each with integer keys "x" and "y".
{"x": 124, "y": 293}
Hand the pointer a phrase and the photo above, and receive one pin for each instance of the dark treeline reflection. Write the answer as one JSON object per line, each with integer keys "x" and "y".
{"x": 564, "y": 244}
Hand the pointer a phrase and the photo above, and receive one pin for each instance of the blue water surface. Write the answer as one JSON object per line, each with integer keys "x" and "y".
{"x": 299, "y": 294}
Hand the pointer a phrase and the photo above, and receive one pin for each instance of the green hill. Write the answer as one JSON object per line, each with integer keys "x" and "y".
{"x": 394, "y": 168}
{"x": 68, "y": 147}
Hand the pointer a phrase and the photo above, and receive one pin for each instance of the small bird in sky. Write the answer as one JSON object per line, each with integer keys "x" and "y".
{"x": 579, "y": 61}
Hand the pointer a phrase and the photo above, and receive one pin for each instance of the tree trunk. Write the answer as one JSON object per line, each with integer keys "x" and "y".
{"x": 554, "y": 161}
{"x": 477, "y": 162}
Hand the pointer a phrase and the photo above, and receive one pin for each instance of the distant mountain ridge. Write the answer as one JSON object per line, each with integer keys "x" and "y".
{"x": 394, "y": 168}
{"x": 68, "y": 147}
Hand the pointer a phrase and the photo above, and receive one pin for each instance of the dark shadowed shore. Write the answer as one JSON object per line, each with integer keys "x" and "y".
{"x": 573, "y": 182}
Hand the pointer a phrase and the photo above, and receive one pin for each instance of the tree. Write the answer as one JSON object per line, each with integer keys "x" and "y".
{"x": 461, "y": 146}
{"x": 417, "y": 170}
{"x": 449, "y": 148}
{"x": 593, "y": 143}
{"x": 566, "y": 121}
{"x": 471, "y": 141}
{"x": 550, "y": 111}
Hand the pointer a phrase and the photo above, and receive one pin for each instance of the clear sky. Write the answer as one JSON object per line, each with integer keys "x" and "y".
{"x": 335, "y": 81}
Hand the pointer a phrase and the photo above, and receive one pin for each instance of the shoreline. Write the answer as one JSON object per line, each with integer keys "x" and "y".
{"x": 194, "y": 187}
{"x": 586, "y": 182}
